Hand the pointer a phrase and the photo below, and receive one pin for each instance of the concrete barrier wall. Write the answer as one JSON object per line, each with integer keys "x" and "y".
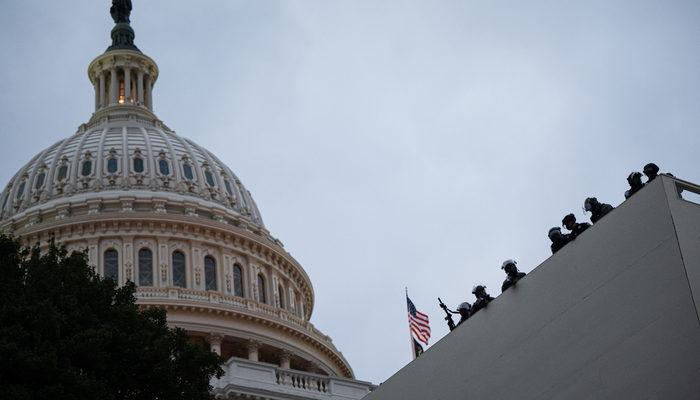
{"x": 686, "y": 219}
{"x": 610, "y": 316}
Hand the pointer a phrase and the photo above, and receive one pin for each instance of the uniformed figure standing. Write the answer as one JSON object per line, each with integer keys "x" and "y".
{"x": 558, "y": 239}
{"x": 651, "y": 170}
{"x": 509, "y": 266}
{"x": 597, "y": 209}
{"x": 465, "y": 311}
{"x": 576, "y": 228}
{"x": 635, "y": 181}
{"x": 482, "y": 298}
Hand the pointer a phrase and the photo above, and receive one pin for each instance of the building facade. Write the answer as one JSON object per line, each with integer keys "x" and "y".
{"x": 155, "y": 208}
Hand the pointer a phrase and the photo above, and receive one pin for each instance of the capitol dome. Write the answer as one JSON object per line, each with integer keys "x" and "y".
{"x": 127, "y": 152}
{"x": 152, "y": 207}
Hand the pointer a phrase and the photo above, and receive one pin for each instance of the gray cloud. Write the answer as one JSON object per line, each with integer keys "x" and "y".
{"x": 388, "y": 144}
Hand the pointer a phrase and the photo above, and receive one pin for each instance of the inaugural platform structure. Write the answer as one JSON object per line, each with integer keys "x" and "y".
{"x": 155, "y": 208}
{"x": 613, "y": 315}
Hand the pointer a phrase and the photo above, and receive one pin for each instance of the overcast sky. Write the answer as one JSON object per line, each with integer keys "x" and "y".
{"x": 388, "y": 143}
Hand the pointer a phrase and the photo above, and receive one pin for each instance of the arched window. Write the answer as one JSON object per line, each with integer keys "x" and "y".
{"x": 237, "y": 280}
{"x": 111, "y": 270}
{"x": 187, "y": 169}
{"x": 209, "y": 273}
{"x": 112, "y": 165}
{"x": 280, "y": 289}
{"x": 138, "y": 165}
{"x": 229, "y": 190}
{"x": 179, "y": 274}
{"x": 209, "y": 177}
{"x": 39, "y": 181}
{"x": 145, "y": 267}
{"x": 62, "y": 172}
{"x": 87, "y": 168}
{"x": 163, "y": 167}
{"x": 20, "y": 190}
{"x": 261, "y": 289}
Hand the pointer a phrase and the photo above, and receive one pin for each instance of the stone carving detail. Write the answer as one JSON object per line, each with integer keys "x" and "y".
{"x": 127, "y": 206}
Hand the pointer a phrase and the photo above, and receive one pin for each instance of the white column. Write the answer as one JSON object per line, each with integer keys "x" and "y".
{"x": 102, "y": 89}
{"x": 148, "y": 98}
{"x": 127, "y": 85}
{"x": 139, "y": 88}
{"x": 253, "y": 347}
{"x": 113, "y": 87}
{"x": 215, "y": 340}
{"x": 96, "y": 85}
{"x": 285, "y": 359}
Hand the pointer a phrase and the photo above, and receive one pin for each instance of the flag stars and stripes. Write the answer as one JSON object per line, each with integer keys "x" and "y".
{"x": 418, "y": 322}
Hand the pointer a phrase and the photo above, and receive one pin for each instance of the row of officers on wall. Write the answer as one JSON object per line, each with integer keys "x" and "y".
{"x": 559, "y": 239}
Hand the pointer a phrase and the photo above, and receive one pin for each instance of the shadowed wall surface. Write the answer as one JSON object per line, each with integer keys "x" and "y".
{"x": 612, "y": 315}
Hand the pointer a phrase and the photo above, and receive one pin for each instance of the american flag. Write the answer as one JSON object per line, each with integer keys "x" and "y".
{"x": 418, "y": 323}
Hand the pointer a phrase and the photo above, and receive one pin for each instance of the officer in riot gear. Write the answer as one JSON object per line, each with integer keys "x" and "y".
{"x": 509, "y": 266}
{"x": 635, "y": 181}
{"x": 596, "y": 208}
{"x": 651, "y": 170}
{"x": 482, "y": 298}
{"x": 576, "y": 228}
{"x": 558, "y": 239}
{"x": 465, "y": 311}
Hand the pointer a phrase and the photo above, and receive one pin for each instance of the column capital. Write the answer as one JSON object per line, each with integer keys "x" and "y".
{"x": 253, "y": 344}
{"x": 215, "y": 338}
{"x": 286, "y": 355}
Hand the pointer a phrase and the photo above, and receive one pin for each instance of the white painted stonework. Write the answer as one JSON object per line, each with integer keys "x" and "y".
{"x": 155, "y": 208}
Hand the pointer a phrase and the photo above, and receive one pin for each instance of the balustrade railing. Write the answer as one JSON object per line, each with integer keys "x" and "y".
{"x": 303, "y": 381}
{"x": 298, "y": 384}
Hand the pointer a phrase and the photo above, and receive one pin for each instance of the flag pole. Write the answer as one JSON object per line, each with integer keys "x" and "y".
{"x": 410, "y": 335}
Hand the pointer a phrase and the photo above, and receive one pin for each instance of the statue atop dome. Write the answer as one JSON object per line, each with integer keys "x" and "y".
{"x": 122, "y": 34}
{"x": 120, "y": 11}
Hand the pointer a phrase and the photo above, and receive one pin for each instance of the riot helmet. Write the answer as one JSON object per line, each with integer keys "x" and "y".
{"x": 554, "y": 232}
{"x": 508, "y": 262}
{"x": 651, "y": 170}
{"x": 590, "y": 203}
{"x": 635, "y": 179}
{"x": 568, "y": 220}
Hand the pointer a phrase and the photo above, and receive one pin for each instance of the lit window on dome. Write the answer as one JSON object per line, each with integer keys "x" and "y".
{"x": 261, "y": 289}
{"x": 237, "y": 281}
{"x": 62, "y": 172}
{"x": 209, "y": 273}
{"x": 145, "y": 267}
{"x": 209, "y": 177}
{"x": 164, "y": 167}
{"x": 138, "y": 165}
{"x": 20, "y": 190}
{"x": 112, "y": 165}
{"x": 229, "y": 190}
{"x": 111, "y": 258}
{"x": 179, "y": 274}
{"x": 187, "y": 169}
{"x": 39, "y": 183}
{"x": 122, "y": 96}
{"x": 87, "y": 168}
